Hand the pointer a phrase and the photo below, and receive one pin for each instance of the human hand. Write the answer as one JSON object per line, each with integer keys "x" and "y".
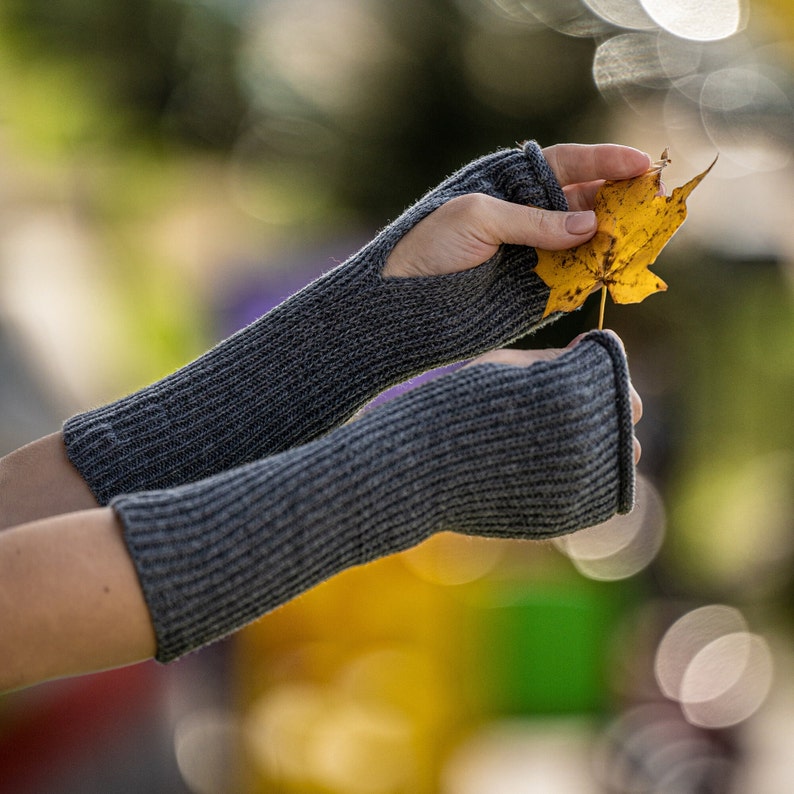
{"x": 468, "y": 230}
{"x": 525, "y": 358}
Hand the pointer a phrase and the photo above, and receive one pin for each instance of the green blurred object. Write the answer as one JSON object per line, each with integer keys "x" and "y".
{"x": 542, "y": 648}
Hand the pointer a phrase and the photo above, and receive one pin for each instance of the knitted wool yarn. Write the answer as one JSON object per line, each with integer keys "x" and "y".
{"x": 495, "y": 450}
{"x": 311, "y": 363}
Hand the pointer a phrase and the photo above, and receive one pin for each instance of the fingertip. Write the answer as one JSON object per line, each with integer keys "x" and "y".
{"x": 575, "y": 341}
{"x": 636, "y": 406}
{"x": 618, "y": 161}
{"x": 636, "y": 159}
{"x": 644, "y": 159}
{"x": 580, "y": 223}
{"x": 629, "y": 162}
{"x": 614, "y": 336}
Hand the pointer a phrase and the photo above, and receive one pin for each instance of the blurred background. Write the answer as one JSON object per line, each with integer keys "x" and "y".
{"x": 170, "y": 169}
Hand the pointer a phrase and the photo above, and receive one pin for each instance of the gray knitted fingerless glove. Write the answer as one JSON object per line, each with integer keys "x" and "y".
{"x": 308, "y": 365}
{"x": 490, "y": 450}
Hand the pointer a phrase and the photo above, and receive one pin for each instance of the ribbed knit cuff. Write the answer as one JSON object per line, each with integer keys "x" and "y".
{"x": 490, "y": 450}
{"x": 308, "y": 365}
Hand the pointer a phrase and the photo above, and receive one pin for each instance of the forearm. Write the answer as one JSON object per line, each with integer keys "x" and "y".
{"x": 38, "y": 480}
{"x": 70, "y": 601}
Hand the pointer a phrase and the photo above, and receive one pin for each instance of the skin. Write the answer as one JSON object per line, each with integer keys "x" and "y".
{"x": 468, "y": 230}
{"x": 70, "y": 601}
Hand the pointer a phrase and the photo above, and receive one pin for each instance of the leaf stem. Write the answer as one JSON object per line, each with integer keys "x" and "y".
{"x": 603, "y": 306}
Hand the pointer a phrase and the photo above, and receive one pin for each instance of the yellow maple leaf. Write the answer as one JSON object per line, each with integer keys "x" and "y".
{"x": 635, "y": 221}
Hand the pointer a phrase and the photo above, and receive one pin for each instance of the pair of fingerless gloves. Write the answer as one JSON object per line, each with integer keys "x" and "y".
{"x": 240, "y": 484}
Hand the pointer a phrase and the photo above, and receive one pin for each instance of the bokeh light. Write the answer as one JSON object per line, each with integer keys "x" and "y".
{"x": 749, "y": 117}
{"x": 308, "y": 733}
{"x": 624, "y": 545}
{"x": 205, "y": 742}
{"x": 626, "y": 60}
{"x": 686, "y": 637}
{"x": 570, "y": 17}
{"x": 727, "y": 681}
{"x": 698, "y": 20}
{"x": 718, "y": 671}
{"x": 522, "y": 757}
{"x": 651, "y": 60}
{"x": 720, "y": 79}
{"x": 622, "y": 13}
{"x": 451, "y": 559}
{"x": 279, "y": 729}
{"x": 652, "y": 748}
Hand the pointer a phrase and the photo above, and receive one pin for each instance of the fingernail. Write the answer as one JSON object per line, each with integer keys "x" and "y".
{"x": 580, "y": 222}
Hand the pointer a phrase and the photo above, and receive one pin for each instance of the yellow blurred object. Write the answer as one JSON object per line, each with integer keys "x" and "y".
{"x": 779, "y": 15}
{"x": 348, "y": 689}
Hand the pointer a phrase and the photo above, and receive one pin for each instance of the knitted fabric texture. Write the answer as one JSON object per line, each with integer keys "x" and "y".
{"x": 311, "y": 363}
{"x": 490, "y": 450}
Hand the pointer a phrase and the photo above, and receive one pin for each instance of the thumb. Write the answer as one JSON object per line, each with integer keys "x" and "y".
{"x": 552, "y": 230}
